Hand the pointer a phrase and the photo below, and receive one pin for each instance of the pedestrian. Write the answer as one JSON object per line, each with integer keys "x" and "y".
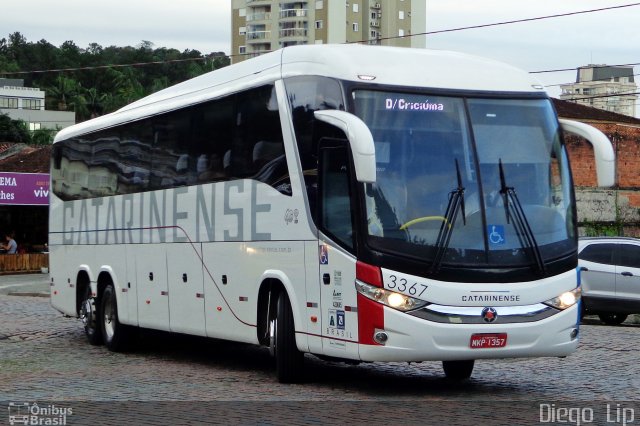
{"x": 11, "y": 246}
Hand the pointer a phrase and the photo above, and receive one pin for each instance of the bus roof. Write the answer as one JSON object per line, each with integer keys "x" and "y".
{"x": 393, "y": 66}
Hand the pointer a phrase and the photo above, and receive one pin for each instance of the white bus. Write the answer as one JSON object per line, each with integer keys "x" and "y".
{"x": 353, "y": 202}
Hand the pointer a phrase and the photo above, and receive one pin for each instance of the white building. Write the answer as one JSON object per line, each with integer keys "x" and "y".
{"x": 611, "y": 88}
{"x": 27, "y": 104}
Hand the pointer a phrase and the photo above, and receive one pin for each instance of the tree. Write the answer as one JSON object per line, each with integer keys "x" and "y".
{"x": 13, "y": 130}
{"x": 104, "y": 80}
{"x": 64, "y": 90}
{"x": 42, "y": 136}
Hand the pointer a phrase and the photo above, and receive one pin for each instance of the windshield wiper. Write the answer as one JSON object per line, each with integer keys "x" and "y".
{"x": 455, "y": 205}
{"x": 520, "y": 222}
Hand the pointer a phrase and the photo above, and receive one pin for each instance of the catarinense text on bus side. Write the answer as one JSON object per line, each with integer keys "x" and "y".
{"x": 218, "y": 213}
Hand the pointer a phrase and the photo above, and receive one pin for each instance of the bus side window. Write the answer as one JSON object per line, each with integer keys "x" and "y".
{"x": 335, "y": 194}
{"x": 257, "y": 150}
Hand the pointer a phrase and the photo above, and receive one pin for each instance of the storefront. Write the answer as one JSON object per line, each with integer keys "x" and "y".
{"x": 24, "y": 209}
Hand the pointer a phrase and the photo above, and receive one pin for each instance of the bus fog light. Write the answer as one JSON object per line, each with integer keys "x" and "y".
{"x": 380, "y": 337}
{"x": 574, "y": 333}
{"x": 565, "y": 300}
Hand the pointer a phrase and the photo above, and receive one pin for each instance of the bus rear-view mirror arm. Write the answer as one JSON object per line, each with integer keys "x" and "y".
{"x": 360, "y": 141}
{"x": 602, "y": 148}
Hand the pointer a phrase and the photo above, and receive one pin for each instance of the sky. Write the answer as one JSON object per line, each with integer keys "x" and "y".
{"x": 608, "y": 37}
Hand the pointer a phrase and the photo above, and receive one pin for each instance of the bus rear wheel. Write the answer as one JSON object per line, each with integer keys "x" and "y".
{"x": 458, "y": 370}
{"x": 89, "y": 316}
{"x": 289, "y": 360}
{"x": 114, "y": 334}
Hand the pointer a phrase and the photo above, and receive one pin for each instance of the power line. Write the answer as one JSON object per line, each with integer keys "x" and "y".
{"x": 495, "y": 24}
{"x": 589, "y": 81}
{"x": 594, "y": 67}
{"x": 140, "y": 64}
{"x": 97, "y": 67}
{"x": 603, "y": 96}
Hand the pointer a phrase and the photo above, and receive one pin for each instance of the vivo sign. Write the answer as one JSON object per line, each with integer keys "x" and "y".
{"x": 31, "y": 189}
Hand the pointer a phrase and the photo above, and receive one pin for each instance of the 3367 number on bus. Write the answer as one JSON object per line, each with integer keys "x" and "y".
{"x": 404, "y": 286}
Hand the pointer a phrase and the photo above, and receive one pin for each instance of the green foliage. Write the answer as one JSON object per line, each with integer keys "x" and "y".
{"x": 43, "y": 136}
{"x": 601, "y": 229}
{"x": 13, "y": 130}
{"x": 92, "y": 91}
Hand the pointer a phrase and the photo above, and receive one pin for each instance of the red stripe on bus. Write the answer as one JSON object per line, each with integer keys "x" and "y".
{"x": 370, "y": 318}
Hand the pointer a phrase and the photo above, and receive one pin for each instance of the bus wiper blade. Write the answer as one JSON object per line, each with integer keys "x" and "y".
{"x": 520, "y": 222}
{"x": 504, "y": 190}
{"x": 460, "y": 193}
{"x": 455, "y": 205}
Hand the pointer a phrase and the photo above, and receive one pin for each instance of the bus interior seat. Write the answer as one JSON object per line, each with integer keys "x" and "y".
{"x": 266, "y": 151}
{"x": 269, "y": 161}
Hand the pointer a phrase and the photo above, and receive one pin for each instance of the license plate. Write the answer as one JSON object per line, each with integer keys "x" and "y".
{"x": 488, "y": 340}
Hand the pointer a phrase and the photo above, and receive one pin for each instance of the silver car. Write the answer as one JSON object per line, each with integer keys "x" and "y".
{"x": 610, "y": 276}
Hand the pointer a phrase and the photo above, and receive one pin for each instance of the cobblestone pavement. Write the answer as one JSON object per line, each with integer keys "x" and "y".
{"x": 45, "y": 357}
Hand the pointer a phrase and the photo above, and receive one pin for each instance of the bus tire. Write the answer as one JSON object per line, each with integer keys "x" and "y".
{"x": 89, "y": 316}
{"x": 612, "y": 319}
{"x": 289, "y": 360}
{"x": 458, "y": 370}
{"x": 115, "y": 335}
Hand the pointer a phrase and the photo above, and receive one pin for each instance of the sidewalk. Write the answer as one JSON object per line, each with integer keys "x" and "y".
{"x": 25, "y": 285}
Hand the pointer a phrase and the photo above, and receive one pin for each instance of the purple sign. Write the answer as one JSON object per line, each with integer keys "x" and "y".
{"x": 27, "y": 189}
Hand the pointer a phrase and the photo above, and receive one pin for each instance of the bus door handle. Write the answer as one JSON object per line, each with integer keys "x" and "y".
{"x": 627, "y": 274}
{"x": 150, "y": 276}
{"x": 184, "y": 278}
{"x": 326, "y": 279}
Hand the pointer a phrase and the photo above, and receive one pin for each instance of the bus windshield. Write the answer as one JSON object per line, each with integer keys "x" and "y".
{"x": 467, "y": 181}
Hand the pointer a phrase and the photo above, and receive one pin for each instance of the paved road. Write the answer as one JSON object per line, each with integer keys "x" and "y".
{"x": 25, "y": 284}
{"x": 44, "y": 357}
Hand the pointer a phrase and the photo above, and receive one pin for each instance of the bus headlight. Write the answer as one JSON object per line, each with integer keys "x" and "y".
{"x": 565, "y": 300}
{"x": 394, "y": 300}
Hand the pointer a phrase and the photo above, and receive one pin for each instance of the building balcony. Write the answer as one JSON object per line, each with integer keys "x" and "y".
{"x": 264, "y": 16}
{"x": 258, "y": 35}
{"x": 294, "y": 13}
{"x": 256, "y": 3}
{"x": 300, "y": 33}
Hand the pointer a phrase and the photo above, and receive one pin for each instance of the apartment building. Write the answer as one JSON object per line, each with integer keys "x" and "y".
{"x": 610, "y": 88}
{"x": 260, "y": 26}
{"x": 27, "y": 104}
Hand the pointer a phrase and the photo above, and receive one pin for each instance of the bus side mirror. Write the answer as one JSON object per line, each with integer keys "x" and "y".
{"x": 360, "y": 141}
{"x": 602, "y": 148}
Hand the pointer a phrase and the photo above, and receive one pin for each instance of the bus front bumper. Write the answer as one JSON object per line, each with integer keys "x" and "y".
{"x": 409, "y": 338}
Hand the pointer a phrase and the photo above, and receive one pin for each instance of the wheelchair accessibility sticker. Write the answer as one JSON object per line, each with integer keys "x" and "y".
{"x": 324, "y": 254}
{"x": 496, "y": 234}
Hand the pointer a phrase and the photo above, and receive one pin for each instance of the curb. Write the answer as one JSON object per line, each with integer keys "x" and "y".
{"x": 28, "y": 294}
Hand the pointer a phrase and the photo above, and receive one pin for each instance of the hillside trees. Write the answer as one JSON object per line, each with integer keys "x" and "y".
{"x": 97, "y": 80}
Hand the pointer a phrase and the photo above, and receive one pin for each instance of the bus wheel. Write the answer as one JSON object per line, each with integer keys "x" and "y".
{"x": 89, "y": 315}
{"x": 114, "y": 334}
{"x": 458, "y": 370}
{"x": 289, "y": 360}
{"x": 612, "y": 319}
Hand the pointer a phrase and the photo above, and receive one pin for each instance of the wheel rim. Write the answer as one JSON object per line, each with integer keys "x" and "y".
{"x": 86, "y": 312}
{"x": 273, "y": 335}
{"x": 109, "y": 318}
